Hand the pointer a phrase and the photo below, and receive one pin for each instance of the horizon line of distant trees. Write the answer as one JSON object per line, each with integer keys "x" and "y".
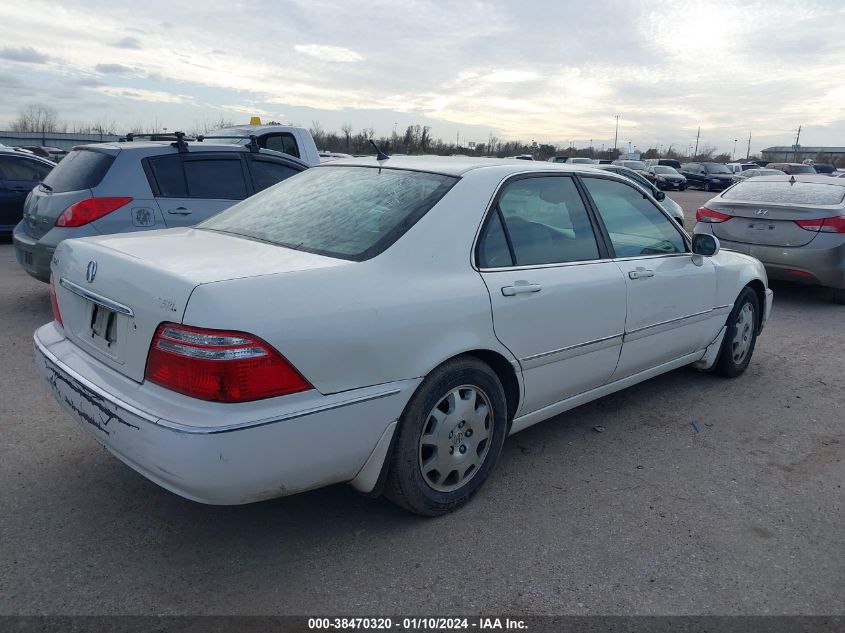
{"x": 416, "y": 139}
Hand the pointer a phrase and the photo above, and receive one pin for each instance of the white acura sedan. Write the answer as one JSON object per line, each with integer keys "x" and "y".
{"x": 385, "y": 324}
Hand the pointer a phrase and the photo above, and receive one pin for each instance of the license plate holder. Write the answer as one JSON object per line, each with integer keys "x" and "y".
{"x": 761, "y": 226}
{"x": 103, "y": 328}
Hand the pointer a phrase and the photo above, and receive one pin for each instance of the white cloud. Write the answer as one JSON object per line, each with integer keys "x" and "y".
{"x": 329, "y": 53}
{"x": 141, "y": 94}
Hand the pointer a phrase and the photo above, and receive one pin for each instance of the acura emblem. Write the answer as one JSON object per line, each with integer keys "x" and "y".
{"x": 91, "y": 271}
{"x": 760, "y": 212}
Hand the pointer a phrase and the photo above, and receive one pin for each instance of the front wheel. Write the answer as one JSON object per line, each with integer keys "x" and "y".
{"x": 448, "y": 439}
{"x": 707, "y": 186}
{"x": 741, "y": 335}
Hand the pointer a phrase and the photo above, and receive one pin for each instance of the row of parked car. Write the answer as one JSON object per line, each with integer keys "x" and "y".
{"x": 384, "y": 321}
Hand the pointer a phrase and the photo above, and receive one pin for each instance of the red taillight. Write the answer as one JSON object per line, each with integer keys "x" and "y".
{"x": 54, "y": 303}
{"x": 709, "y": 215}
{"x": 88, "y": 210}
{"x": 835, "y": 224}
{"x": 219, "y": 365}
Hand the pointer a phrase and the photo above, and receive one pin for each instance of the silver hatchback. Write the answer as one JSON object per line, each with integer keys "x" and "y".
{"x": 795, "y": 225}
{"x": 138, "y": 186}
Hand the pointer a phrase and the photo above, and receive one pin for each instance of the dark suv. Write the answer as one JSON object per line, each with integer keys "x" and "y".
{"x": 19, "y": 173}
{"x": 707, "y": 176}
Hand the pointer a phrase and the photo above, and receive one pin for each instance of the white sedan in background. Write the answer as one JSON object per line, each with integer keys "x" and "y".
{"x": 386, "y": 324}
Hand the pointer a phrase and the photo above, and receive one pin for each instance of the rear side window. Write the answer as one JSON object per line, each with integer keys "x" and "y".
{"x": 266, "y": 173}
{"x": 545, "y": 222}
{"x": 282, "y": 143}
{"x": 176, "y": 177}
{"x": 785, "y": 192}
{"x": 22, "y": 169}
{"x": 345, "y": 212}
{"x": 215, "y": 179}
{"x": 81, "y": 169}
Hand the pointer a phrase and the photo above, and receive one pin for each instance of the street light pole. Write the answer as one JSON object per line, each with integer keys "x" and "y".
{"x": 616, "y": 134}
{"x": 733, "y": 154}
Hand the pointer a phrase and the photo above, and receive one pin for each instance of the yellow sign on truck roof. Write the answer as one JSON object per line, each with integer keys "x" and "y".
{"x": 255, "y": 120}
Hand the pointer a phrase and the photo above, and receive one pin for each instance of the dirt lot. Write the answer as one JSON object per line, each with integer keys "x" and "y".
{"x": 741, "y": 512}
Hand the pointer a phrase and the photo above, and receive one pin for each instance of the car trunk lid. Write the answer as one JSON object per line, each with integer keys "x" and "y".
{"x": 765, "y": 223}
{"x": 43, "y": 207}
{"x": 114, "y": 291}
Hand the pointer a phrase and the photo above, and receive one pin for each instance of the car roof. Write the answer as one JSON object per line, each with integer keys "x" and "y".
{"x": 459, "y": 165}
{"x": 13, "y": 151}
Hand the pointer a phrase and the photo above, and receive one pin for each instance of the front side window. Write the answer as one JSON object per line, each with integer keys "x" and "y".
{"x": 545, "y": 222}
{"x": 345, "y": 212}
{"x": 635, "y": 225}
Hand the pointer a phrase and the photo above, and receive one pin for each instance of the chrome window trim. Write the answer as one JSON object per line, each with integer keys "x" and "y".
{"x": 585, "y": 262}
{"x": 198, "y": 430}
{"x": 96, "y": 298}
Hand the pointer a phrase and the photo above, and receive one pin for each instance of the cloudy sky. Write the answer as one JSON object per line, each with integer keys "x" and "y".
{"x": 551, "y": 71}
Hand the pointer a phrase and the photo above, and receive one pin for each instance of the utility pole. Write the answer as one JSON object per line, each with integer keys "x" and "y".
{"x": 796, "y": 146}
{"x": 616, "y": 135}
{"x": 591, "y": 148}
{"x": 748, "y": 151}
{"x": 458, "y": 140}
{"x": 696, "y": 142}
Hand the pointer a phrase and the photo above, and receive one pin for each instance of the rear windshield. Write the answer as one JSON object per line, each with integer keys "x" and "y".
{"x": 782, "y": 191}
{"x": 802, "y": 169}
{"x": 81, "y": 169}
{"x": 346, "y": 212}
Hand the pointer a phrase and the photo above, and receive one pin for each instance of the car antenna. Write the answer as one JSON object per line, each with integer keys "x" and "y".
{"x": 380, "y": 155}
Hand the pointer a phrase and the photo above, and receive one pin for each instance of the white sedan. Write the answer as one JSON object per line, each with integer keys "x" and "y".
{"x": 385, "y": 324}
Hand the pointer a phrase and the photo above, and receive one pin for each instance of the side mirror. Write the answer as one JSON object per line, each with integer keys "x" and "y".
{"x": 705, "y": 244}
{"x": 659, "y": 196}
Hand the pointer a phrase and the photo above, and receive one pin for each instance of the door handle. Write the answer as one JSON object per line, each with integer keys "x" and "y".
{"x": 520, "y": 288}
{"x": 640, "y": 273}
{"x": 179, "y": 211}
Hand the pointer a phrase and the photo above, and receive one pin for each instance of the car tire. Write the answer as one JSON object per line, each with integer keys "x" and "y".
{"x": 707, "y": 187}
{"x": 433, "y": 436}
{"x": 741, "y": 335}
{"x": 838, "y": 296}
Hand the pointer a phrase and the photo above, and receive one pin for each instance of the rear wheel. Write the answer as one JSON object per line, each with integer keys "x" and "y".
{"x": 741, "y": 335}
{"x": 838, "y": 296}
{"x": 448, "y": 439}
{"x": 707, "y": 186}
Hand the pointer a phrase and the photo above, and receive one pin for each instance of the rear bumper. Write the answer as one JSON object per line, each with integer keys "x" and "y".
{"x": 316, "y": 441}
{"x": 814, "y": 264}
{"x": 32, "y": 256}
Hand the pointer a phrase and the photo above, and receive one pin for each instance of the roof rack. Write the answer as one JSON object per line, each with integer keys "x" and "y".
{"x": 252, "y": 145}
{"x": 178, "y": 139}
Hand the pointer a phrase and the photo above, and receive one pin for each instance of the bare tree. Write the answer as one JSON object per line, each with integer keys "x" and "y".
{"x": 346, "y": 128}
{"x": 37, "y": 117}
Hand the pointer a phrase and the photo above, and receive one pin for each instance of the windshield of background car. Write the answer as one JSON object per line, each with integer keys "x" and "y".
{"x": 664, "y": 170}
{"x": 345, "y": 212}
{"x": 784, "y": 192}
{"x": 81, "y": 169}
{"x": 634, "y": 164}
{"x": 717, "y": 169}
